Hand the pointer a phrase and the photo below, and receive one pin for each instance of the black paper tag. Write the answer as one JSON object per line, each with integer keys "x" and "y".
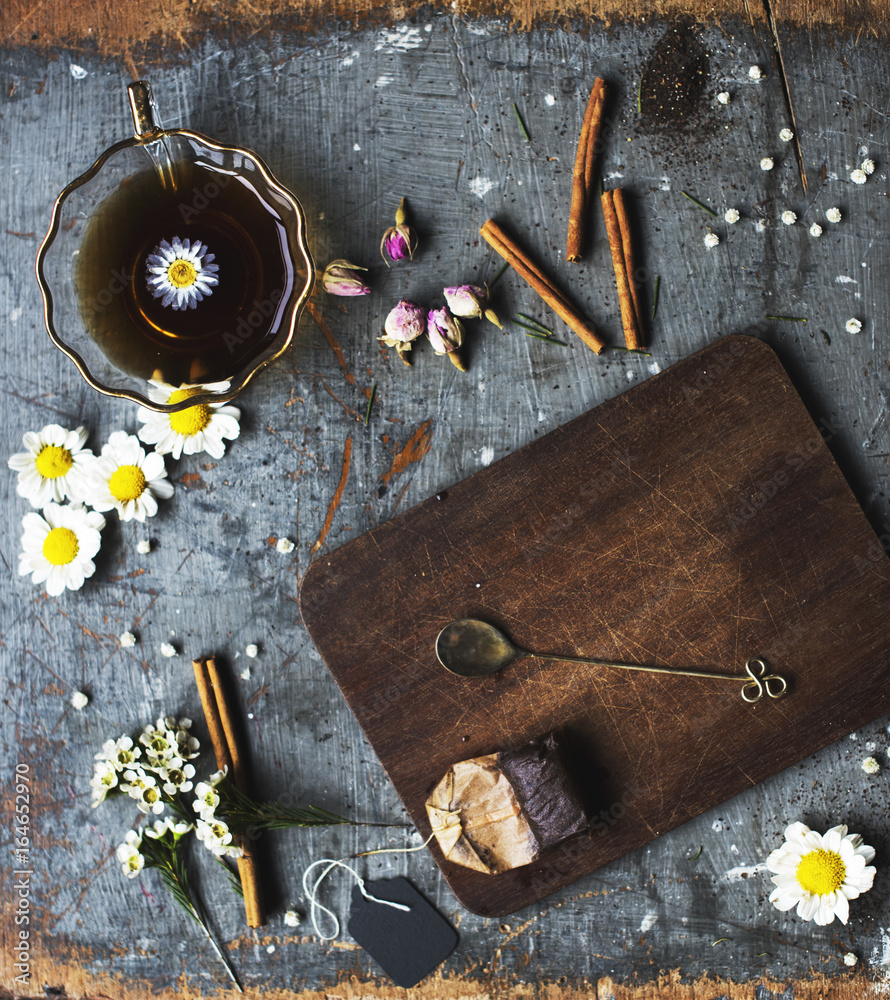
{"x": 407, "y": 945}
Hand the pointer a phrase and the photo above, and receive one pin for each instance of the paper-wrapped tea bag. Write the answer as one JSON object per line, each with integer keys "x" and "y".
{"x": 498, "y": 812}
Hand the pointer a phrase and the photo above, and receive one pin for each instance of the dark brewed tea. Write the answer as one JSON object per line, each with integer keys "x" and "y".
{"x": 194, "y": 320}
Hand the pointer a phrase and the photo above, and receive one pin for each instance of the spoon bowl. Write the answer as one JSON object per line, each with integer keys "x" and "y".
{"x": 470, "y": 648}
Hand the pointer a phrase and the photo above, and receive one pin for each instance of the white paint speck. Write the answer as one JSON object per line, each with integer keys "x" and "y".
{"x": 487, "y": 455}
{"x": 665, "y": 183}
{"x": 654, "y": 368}
{"x": 615, "y": 175}
{"x": 401, "y": 38}
{"x": 270, "y": 950}
{"x": 16, "y": 314}
{"x": 718, "y": 826}
{"x": 733, "y": 848}
{"x": 78, "y": 72}
{"x": 480, "y": 186}
{"x": 347, "y": 61}
{"x": 357, "y": 148}
{"x": 384, "y": 80}
{"x": 743, "y": 871}
{"x": 630, "y": 376}
{"x": 549, "y": 100}
{"x": 845, "y": 279}
{"x": 760, "y": 225}
{"x": 648, "y": 922}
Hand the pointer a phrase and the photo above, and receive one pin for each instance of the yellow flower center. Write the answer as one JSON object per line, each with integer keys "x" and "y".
{"x": 53, "y": 461}
{"x": 821, "y": 872}
{"x": 181, "y": 273}
{"x": 192, "y": 419}
{"x": 127, "y": 483}
{"x": 60, "y": 546}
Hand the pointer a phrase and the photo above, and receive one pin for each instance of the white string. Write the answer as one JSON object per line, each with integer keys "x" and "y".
{"x": 314, "y": 904}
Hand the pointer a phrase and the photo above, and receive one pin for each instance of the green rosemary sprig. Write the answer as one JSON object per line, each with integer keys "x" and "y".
{"x": 655, "y": 295}
{"x": 788, "y": 319}
{"x": 522, "y": 127}
{"x": 370, "y": 402}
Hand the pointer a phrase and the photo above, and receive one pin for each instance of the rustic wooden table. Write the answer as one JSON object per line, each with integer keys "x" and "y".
{"x": 353, "y": 115}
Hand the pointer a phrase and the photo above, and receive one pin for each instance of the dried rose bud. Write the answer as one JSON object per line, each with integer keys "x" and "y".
{"x": 446, "y": 335}
{"x": 404, "y": 324}
{"x": 338, "y": 280}
{"x": 400, "y": 240}
{"x": 470, "y": 302}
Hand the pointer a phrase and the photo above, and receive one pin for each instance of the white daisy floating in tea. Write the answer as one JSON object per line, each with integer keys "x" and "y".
{"x": 202, "y": 427}
{"x": 58, "y": 547}
{"x": 181, "y": 273}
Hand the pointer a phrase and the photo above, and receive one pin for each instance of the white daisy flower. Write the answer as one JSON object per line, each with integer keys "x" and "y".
{"x": 49, "y": 471}
{"x": 196, "y": 428}
{"x": 820, "y": 874}
{"x": 143, "y": 788}
{"x": 59, "y": 546}
{"x": 181, "y": 273}
{"x": 160, "y": 742}
{"x": 121, "y": 753}
{"x": 127, "y": 480}
{"x": 132, "y": 861}
{"x": 206, "y": 800}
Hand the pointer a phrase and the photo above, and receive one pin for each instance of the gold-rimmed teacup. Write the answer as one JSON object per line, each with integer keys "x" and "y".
{"x": 174, "y": 260}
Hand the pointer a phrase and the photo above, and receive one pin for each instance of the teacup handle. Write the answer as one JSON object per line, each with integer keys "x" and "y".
{"x": 143, "y": 109}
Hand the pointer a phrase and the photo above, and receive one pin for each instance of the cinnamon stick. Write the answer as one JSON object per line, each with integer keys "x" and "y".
{"x": 221, "y": 725}
{"x": 582, "y": 175}
{"x": 618, "y": 230}
{"x": 530, "y": 272}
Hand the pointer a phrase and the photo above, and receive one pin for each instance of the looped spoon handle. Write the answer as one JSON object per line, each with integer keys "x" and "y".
{"x": 471, "y": 648}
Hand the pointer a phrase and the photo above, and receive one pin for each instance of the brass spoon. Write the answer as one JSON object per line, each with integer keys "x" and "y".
{"x": 471, "y": 648}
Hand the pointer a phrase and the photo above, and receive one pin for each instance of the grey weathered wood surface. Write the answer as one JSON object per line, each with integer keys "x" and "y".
{"x": 353, "y": 120}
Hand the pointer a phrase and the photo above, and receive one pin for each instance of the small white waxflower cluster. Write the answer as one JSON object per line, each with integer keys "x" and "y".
{"x": 870, "y": 765}
{"x": 73, "y": 488}
{"x": 789, "y": 217}
{"x": 712, "y": 240}
{"x": 210, "y": 829}
{"x": 147, "y": 769}
{"x": 129, "y": 853}
{"x": 786, "y": 135}
{"x": 853, "y": 325}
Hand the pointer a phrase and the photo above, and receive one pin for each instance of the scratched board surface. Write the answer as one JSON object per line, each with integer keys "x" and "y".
{"x": 352, "y": 117}
{"x": 633, "y": 533}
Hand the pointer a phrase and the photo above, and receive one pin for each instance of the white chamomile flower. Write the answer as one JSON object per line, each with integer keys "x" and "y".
{"x": 833, "y": 215}
{"x": 732, "y": 216}
{"x": 104, "y": 779}
{"x": 767, "y": 163}
{"x": 129, "y": 854}
{"x": 820, "y": 874}
{"x": 853, "y": 325}
{"x": 789, "y": 217}
{"x": 202, "y": 427}
{"x": 711, "y": 240}
{"x": 59, "y": 545}
{"x": 49, "y": 471}
{"x": 181, "y": 273}
{"x": 127, "y": 480}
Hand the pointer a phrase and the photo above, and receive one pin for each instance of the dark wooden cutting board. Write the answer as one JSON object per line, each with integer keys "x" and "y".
{"x": 696, "y": 520}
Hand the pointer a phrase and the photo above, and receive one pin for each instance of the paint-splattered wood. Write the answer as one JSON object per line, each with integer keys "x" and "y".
{"x": 697, "y": 520}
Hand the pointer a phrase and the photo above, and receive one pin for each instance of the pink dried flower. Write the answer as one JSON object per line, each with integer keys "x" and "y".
{"x": 399, "y": 241}
{"x": 470, "y": 302}
{"x": 338, "y": 279}
{"x": 405, "y": 322}
{"x": 446, "y": 334}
